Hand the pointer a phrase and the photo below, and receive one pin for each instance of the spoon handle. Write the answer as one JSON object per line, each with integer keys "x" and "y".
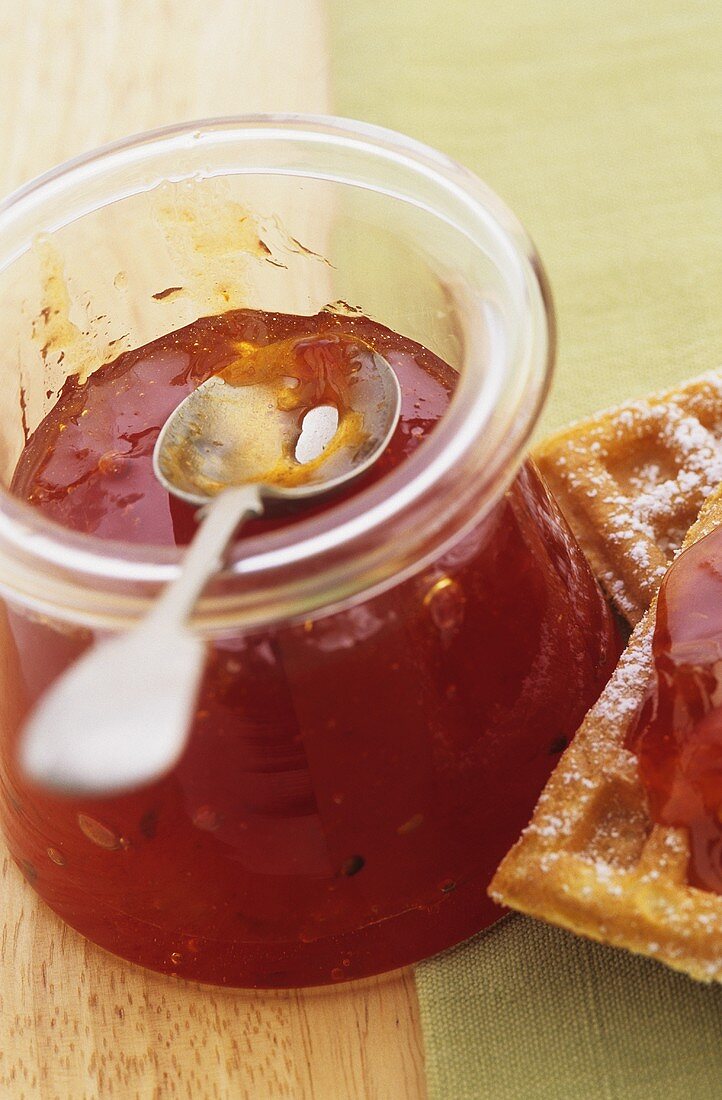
{"x": 205, "y": 556}
{"x": 120, "y": 716}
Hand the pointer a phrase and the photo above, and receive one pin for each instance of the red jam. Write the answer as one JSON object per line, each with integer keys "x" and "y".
{"x": 678, "y": 737}
{"x": 88, "y": 465}
{"x": 351, "y": 782}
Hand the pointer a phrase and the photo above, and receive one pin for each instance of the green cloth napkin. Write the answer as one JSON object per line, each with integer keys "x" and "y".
{"x": 601, "y": 126}
{"x": 527, "y": 1011}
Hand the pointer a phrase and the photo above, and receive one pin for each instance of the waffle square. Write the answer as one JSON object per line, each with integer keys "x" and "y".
{"x": 591, "y": 859}
{"x": 631, "y": 481}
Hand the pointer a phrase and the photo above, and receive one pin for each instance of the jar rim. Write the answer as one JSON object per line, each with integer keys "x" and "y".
{"x": 366, "y": 543}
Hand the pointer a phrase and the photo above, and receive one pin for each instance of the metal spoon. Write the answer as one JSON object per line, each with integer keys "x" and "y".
{"x": 121, "y": 715}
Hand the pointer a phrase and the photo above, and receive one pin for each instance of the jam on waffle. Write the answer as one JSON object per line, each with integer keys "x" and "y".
{"x": 593, "y": 860}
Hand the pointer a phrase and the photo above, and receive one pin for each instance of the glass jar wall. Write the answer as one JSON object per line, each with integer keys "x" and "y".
{"x": 388, "y": 683}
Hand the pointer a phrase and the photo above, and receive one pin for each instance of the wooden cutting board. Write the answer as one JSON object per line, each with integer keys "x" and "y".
{"x": 75, "y": 1022}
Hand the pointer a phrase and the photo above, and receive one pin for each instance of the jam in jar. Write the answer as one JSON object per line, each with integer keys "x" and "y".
{"x": 354, "y": 775}
{"x": 678, "y": 735}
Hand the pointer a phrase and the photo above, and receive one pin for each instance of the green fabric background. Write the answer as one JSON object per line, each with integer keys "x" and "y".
{"x": 600, "y": 123}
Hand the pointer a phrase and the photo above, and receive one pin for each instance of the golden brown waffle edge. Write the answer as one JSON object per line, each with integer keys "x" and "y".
{"x": 591, "y": 860}
{"x": 631, "y": 481}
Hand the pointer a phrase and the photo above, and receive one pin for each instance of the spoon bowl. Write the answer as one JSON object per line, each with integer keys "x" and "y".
{"x": 224, "y": 435}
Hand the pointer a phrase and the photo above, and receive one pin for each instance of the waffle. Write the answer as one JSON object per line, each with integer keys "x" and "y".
{"x": 632, "y": 480}
{"x": 591, "y": 860}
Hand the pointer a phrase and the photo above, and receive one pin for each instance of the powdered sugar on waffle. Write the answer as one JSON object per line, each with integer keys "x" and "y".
{"x": 626, "y": 689}
{"x": 592, "y": 860}
{"x": 632, "y": 480}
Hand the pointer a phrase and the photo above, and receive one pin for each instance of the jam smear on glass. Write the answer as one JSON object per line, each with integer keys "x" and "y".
{"x": 351, "y": 782}
{"x": 678, "y": 735}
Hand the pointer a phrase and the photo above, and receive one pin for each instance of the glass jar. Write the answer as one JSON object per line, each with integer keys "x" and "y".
{"x": 388, "y": 683}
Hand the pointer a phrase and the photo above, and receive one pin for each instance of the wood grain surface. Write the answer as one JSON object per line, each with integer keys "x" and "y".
{"x": 76, "y": 1023}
